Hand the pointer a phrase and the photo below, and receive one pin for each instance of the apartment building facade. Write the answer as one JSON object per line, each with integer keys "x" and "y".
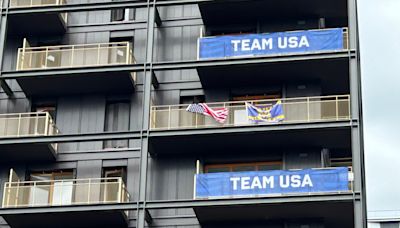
{"x": 189, "y": 113}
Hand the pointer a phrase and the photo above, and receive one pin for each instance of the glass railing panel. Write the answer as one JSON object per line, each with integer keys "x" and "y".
{"x": 74, "y": 56}
{"x": 65, "y": 192}
{"x": 34, "y": 3}
{"x": 27, "y": 124}
{"x": 295, "y": 110}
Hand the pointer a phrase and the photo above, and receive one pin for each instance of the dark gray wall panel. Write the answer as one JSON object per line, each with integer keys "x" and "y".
{"x": 89, "y": 169}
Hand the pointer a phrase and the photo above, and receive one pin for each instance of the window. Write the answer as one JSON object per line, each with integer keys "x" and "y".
{"x": 49, "y": 190}
{"x": 242, "y": 167}
{"x": 122, "y": 14}
{"x": 111, "y": 185}
{"x": 117, "y": 119}
{"x": 50, "y": 108}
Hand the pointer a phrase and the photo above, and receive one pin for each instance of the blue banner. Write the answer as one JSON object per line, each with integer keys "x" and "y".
{"x": 231, "y": 184}
{"x": 271, "y": 43}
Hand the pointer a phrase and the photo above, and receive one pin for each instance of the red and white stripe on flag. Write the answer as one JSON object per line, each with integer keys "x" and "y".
{"x": 219, "y": 114}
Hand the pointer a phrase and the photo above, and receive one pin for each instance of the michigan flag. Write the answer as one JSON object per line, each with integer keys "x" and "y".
{"x": 266, "y": 113}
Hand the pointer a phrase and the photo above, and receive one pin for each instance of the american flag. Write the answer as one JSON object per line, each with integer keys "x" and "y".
{"x": 219, "y": 114}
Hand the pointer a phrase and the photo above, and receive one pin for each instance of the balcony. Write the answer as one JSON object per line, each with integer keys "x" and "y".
{"x": 24, "y": 125}
{"x": 227, "y": 16}
{"x": 320, "y": 122}
{"x": 66, "y": 193}
{"x": 37, "y": 24}
{"x": 296, "y": 110}
{"x": 254, "y": 59}
{"x": 80, "y": 57}
{"x": 305, "y": 194}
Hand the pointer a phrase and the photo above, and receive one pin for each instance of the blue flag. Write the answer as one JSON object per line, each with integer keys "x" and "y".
{"x": 267, "y": 113}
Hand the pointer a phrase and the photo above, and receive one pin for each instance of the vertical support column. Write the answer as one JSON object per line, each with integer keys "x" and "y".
{"x": 3, "y": 34}
{"x": 147, "y": 82}
{"x": 360, "y": 219}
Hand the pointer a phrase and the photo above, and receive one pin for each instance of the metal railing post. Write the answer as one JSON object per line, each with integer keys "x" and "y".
{"x": 349, "y": 106}
{"x": 19, "y": 61}
{"x": 61, "y": 192}
{"x": 196, "y": 119}
{"x": 89, "y": 189}
{"x": 46, "y": 126}
{"x": 33, "y": 194}
{"x": 127, "y": 52}
{"x": 98, "y": 55}
{"x": 6, "y": 190}
{"x": 337, "y": 108}
{"x": 19, "y": 124}
{"x": 308, "y": 109}
{"x": 46, "y": 57}
{"x": 72, "y": 55}
{"x": 119, "y": 189}
{"x": 169, "y": 117}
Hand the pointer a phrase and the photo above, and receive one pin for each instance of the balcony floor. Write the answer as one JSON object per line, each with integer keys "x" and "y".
{"x": 77, "y": 83}
{"x": 332, "y": 74}
{"x": 23, "y": 152}
{"x": 246, "y": 12}
{"x": 37, "y": 24}
{"x": 76, "y": 219}
{"x": 333, "y": 135}
{"x": 334, "y": 214}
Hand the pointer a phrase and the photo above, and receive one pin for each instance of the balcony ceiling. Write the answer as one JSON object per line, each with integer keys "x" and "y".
{"x": 76, "y": 219}
{"x": 23, "y": 152}
{"x": 255, "y": 142}
{"x": 332, "y": 74}
{"x": 333, "y": 214}
{"x": 36, "y": 24}
{"x": 245, "y": 11}
{"x": 77, "y": 83}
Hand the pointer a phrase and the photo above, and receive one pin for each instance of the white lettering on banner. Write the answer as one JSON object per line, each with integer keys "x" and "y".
{"x": 263, "y": 44}
{"x": 235, "y": 181}
{"x": 248, "y": 45}
{"x": 235, "y": 44}
{"x": 285, "y": 181}
{"x": 293, "y": 42}
{"x": 295, "y": 181}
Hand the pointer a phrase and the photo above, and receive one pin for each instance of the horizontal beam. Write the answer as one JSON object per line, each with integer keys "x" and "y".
{"x": 75, "y": 71}
{"x": 252, "y": 60}
{"x": 158, "y": 66}
{"x": 169, "y": 204}
{"x": 73, "y": 137}
{"x": 244, "y": 129}
{"x": 252, "y": 201}
{"x": 72, "y": 208}
{"x": 96, "y": 6}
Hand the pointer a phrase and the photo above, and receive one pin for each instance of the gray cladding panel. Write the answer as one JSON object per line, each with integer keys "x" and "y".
{"x": 176, "y": 43}
{"x": 81, "y": 115}
{"x": 172, "y": 178}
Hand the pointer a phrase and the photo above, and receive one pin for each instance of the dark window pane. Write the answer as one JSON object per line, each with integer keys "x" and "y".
{"x": 117, "y": 119}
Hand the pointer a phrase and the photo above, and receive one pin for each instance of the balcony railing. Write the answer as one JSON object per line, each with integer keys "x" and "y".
{"x": 27, "y": 124}
{"x": 38, "y": 3}
{"x": 296, "y": 110}
{"x": 64, "y": 192}
{"x": 67, "y": 56}
{"x": 324, "y": 181}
